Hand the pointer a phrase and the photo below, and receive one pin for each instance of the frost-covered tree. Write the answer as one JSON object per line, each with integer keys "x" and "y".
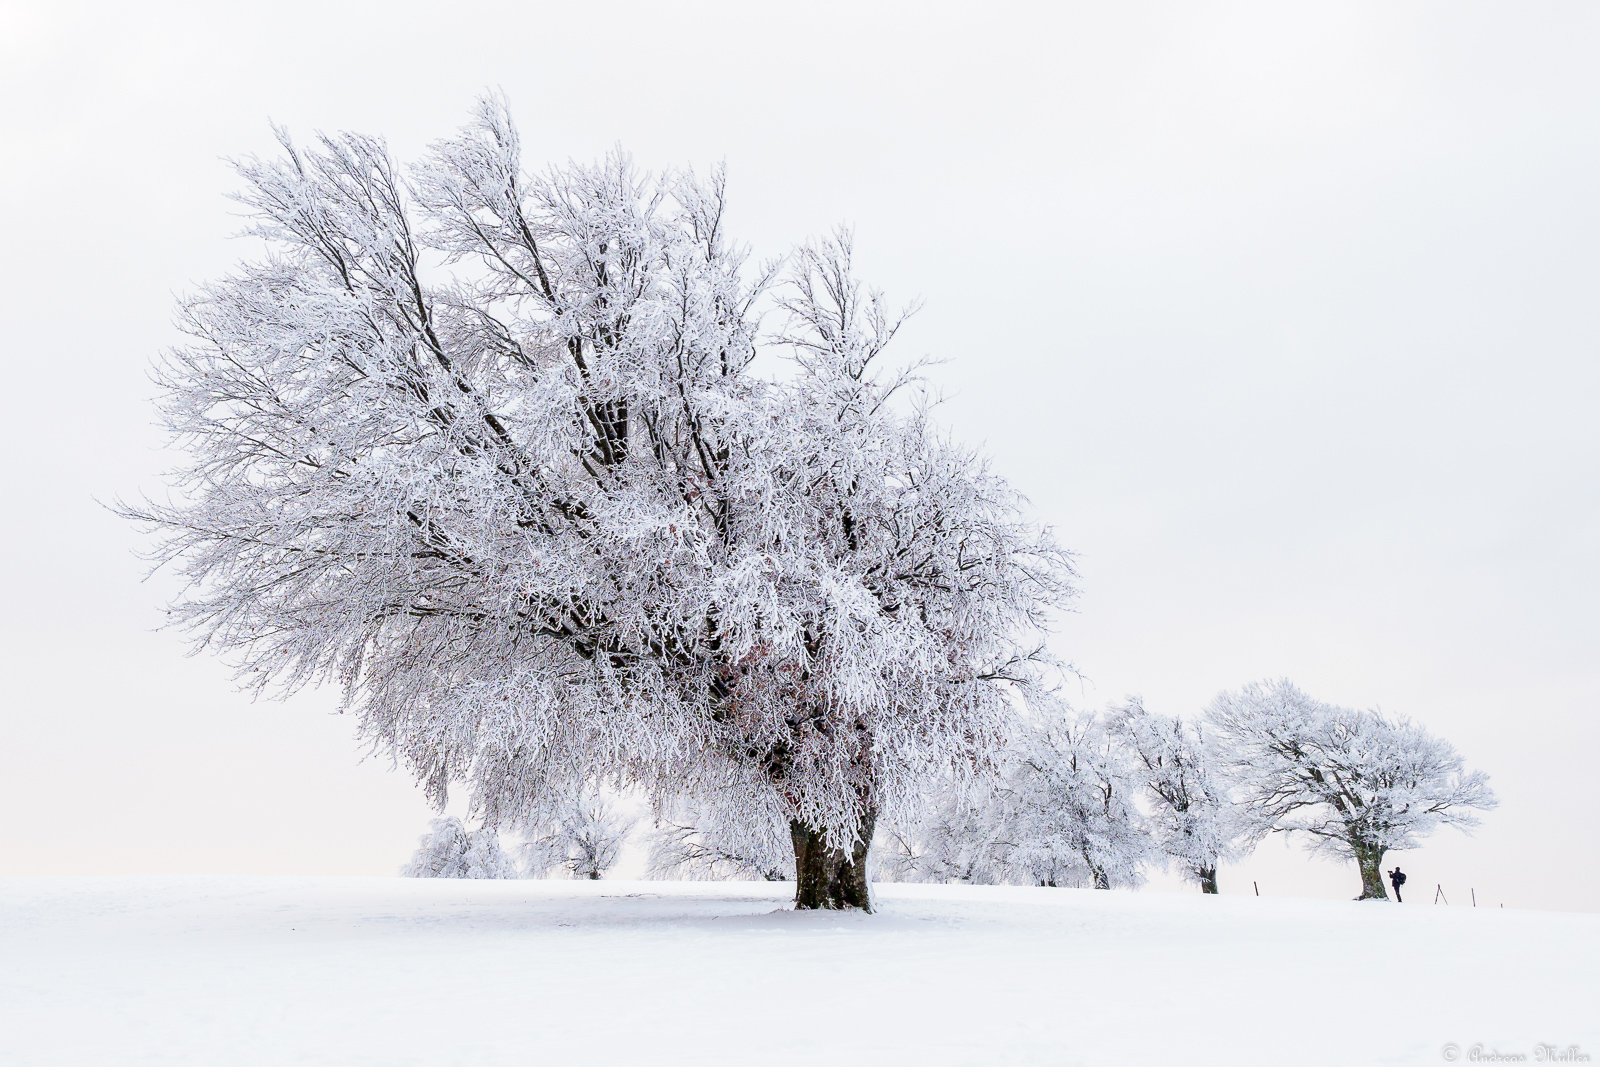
{"x": 1059, "y": 808}
{"x": 450, "y": 850}
{"x": 1194, "y": 819}
{"x": 581, "y": 839}
{"x": 740, "y": 834}
{"x": 1356, "y": 782}
{"x": 961, "y": 838}
{"x": 1069, "y": 807}
{"x": 486, "y": 448}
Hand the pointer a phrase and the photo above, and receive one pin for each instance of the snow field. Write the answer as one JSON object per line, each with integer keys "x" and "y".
{"x": 348, "y": 971}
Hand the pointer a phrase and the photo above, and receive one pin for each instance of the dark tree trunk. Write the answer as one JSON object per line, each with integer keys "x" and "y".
{"x": 1370, "y": 860}
{"x": 829, "y": 877}
{"x": 1208, "y": 879}
{"x": 1101, "y": 879}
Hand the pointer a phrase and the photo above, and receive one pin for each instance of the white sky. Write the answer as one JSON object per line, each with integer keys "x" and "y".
{"x": 1285, "y": 315}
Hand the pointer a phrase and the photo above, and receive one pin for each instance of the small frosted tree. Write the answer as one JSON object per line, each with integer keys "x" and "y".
{"x": 450, "y": 850}
{"x": 1196, "y": 823}
{"x": 1357, "y": 783}
{"x": 485, "y": 447}
{"x": 1069, "y": 807}
{"x": 581, "y": 839}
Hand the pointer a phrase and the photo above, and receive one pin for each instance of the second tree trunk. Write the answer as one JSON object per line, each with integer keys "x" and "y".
{"x": 1370, "y": 860}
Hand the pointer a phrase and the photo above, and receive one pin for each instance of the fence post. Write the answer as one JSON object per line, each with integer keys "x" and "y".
{"x": 1474, "y": 898}
{"x": 1258, "y": 889}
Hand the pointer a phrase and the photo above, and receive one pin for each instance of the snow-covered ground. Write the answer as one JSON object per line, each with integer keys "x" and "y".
{"x": 344, "y": 971}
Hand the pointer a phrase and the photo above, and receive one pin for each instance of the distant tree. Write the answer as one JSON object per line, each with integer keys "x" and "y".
{"x": 486, "y": 448}
{"x": 960, "y": 839}
{"x": 582, "y": 839}
{"x": 1069, "y": 807}
{"x": 1194, "y": 820}
{"x": 1059, "y": 809}
{"x": 450, "y": 850}
{"x": 1356, "y": 782}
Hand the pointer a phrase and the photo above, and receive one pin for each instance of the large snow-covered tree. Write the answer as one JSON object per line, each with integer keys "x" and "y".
{"x": 1357, "y": 782}
{"x": 486, "y": 448}
{"x": 1195, "y": 820}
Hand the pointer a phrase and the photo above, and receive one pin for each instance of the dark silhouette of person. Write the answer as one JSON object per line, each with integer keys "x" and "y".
{"x": 1397, "y": 878}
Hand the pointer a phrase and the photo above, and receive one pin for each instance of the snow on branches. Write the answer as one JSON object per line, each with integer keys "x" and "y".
{"x": 1071, "y": 808}
{"x": 485, "y": 447}
{"x": 1061, "y": 809}
{"x": 717, "y": 840}
{"x": 960, "y": 838}
{"x": 1358, "y": 783}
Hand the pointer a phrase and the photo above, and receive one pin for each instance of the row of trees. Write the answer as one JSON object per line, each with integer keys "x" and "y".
{"x": 568, "y": 496}
{"x": 1091, "y": 800}
{"x": 585, "y": 840}
{"x": 1098, "y": 799}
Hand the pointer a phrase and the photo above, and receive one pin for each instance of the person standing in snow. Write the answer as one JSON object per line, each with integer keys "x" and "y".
{"x": 1397, "y": 878}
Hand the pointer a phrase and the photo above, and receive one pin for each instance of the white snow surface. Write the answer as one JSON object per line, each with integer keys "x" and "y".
{"x": 344, "y": 971}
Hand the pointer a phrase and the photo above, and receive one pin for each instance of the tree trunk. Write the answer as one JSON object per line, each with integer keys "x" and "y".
{"x": 1370, "y": 860}
{"x": 1208, "y": 879}
{"x": 829, "y": 877}
{"x": 1101, "y": 879}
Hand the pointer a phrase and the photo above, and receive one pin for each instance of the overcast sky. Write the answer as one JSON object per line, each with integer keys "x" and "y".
{"x": 1284, "y": 315}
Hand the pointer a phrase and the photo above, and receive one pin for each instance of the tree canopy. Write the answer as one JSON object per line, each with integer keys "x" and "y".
{"x": 488, "y": 448}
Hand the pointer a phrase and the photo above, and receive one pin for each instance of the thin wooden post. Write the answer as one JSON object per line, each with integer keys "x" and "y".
{"x": 1474, "y": 898}
{"x": 1258, "y": 889}
{"x": 1440, "y": 893}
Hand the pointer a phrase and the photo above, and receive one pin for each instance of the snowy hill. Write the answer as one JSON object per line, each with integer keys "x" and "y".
{"x": 344, "y": 971}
